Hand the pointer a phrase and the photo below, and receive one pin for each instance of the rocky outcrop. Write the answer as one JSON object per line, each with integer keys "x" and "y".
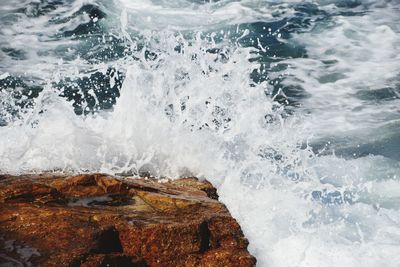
{"x": 99, "y": 220}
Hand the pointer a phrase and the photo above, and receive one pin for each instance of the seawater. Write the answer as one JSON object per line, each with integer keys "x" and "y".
{"x": 290, "y": 108}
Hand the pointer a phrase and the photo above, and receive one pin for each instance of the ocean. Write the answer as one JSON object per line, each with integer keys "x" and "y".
{"x": 290, "y": 108}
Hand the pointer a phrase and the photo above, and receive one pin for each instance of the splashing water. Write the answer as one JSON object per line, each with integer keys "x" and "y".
{"x": 290, "y": 108}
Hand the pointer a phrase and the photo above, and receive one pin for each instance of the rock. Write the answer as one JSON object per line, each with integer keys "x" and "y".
{"x": 100, "y": 220}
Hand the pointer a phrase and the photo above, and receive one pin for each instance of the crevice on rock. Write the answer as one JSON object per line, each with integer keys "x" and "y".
{"x": 108, "y": 242}
{"x": 211, "y": 193}
{"x": 205, "y": 234}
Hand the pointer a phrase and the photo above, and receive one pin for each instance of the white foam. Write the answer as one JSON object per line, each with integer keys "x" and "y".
{"x": 365, "y": 51}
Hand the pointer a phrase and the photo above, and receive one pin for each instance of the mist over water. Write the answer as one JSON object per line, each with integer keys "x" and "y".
{"x": 290, "y": 108}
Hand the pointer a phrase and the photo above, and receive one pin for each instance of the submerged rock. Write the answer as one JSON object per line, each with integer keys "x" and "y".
{"x": 99, "y": 220}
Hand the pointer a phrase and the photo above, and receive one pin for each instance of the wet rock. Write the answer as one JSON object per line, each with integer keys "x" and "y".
{"x": 100, "y": 220}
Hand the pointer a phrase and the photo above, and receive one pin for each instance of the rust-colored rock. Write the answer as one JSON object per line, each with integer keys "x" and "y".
{"x": 99, "y": 220}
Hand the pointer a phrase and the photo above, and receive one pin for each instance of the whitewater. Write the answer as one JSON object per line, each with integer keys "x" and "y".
{"x": 290, "y": 108}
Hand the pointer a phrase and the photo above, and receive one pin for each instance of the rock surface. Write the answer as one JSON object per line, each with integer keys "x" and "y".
{"x": 100, "y": 220}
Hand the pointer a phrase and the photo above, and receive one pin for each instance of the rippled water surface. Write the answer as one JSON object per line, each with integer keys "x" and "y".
{"x": 290, "y": 108}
